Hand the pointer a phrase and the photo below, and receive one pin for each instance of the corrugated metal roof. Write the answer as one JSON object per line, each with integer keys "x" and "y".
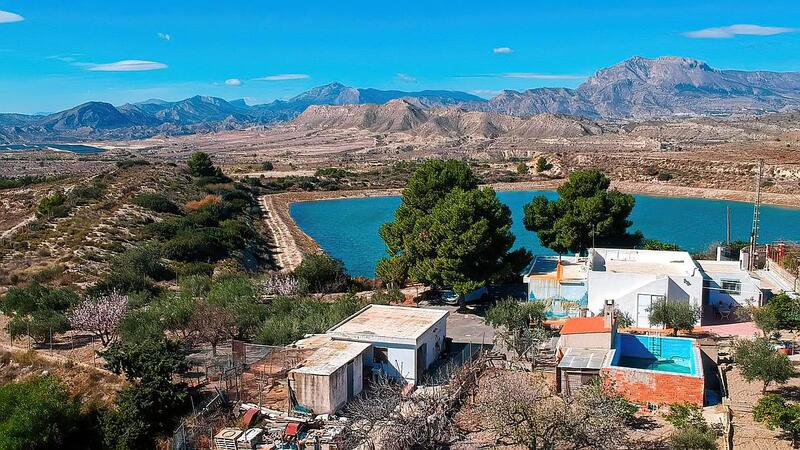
{"x": 583, "y": 358}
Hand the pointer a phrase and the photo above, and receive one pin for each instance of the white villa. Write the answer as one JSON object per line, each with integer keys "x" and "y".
{"x": 635, "y": 279}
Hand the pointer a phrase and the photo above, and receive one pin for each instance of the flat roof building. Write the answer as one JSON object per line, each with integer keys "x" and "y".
{"x": 405, "y": 341}
{"x": 330, "y": 377}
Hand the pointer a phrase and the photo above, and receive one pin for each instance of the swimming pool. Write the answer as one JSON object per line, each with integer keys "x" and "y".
{"x": 663, "y": 354}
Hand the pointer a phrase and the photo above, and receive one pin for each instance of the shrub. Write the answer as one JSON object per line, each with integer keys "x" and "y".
{"x": 653, "y": 244}
{"x": 128, "y": 163}
{"x": 192, "y": 268}
{"x": 82, "y": 194}
{"x": 38, "y": 414}
{"x": 542, "y": 164}
{"x": 155, "y": 202}
{"x": 203, "y": 202}
{"x": 200, "y": 245}
{"x": 332, "y": 172}
{"x": 267, "y": 166}
{"x": 522, "y": 168}
{"x": 290, "y": 318}
{"x": 322, "y": 273}
{"x": 53, "y": 205}
{"x": 664, "y": 176}
{"x": 692, "y": 438}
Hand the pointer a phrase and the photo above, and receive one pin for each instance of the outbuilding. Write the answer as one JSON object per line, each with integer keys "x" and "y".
{"x": 404, "y": 341}
{"x": 330, "y": 377}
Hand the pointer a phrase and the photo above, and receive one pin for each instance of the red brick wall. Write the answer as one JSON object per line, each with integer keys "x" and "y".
{"x": 641, "y": 386}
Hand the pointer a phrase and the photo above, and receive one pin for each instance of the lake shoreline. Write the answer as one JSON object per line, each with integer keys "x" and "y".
{"x": 290, "y": 242}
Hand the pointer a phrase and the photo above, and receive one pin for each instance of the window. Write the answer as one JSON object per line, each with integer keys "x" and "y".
{"x": 731, "y": 287}
{"x": 380, "y": 355}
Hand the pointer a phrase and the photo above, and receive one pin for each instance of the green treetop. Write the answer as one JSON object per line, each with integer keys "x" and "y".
{"x": 585, "y": 211}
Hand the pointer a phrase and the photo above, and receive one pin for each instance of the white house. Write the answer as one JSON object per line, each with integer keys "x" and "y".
{"x": 728, "y": 285}
{"x": 635, "y": 279}
{"x": 404, "y": 341}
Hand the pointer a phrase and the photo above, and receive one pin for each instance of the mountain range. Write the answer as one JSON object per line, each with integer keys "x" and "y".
{"x": 635, "y": 89}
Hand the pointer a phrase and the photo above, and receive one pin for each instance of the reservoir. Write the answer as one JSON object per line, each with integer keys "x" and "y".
{"x": 348, "y": 228}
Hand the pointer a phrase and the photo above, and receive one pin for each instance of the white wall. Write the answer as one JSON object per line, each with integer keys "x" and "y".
{"x": 750, "y": 293}
{"x": 624, "y": 289}
{"x": 434, "y": 337}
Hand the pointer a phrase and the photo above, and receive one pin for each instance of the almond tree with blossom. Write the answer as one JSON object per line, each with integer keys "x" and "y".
{"x": 100, "y": 316}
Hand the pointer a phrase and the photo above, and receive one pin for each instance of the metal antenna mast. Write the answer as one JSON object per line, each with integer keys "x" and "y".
{"x": 756, "y": 215}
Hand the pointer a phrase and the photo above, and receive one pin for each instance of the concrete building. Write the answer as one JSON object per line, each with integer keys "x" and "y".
{"x": 330, "y": 377}
{"x": 404, "y": 341}
{"x": 634, "y": 279}
{"x": 728, "y": 285}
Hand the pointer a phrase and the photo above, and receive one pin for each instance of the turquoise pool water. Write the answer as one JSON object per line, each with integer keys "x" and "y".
{"x": 348, "y": 228}
{"x": 664, "y": 354}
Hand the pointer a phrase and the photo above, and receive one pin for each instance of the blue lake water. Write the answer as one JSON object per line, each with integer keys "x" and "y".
{"x": 348, "y": 228}
{"x": 74, "y": 148}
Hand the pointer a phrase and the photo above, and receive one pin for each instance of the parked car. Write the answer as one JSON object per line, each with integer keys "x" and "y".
{"x": 449, "y": 296}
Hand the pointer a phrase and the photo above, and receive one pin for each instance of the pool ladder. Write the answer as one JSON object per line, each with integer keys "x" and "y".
{"x": 655, "y": 346}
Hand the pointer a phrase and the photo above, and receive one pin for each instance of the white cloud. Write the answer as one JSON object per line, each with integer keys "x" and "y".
{"x": 164, "y": 36}
{"x": 8, "y": 17}
{"x": 128, "y": 65}
{"x": 734, "y": 30}
{"x": 541, "y": 76}
{"x": 283, "y": 76}
{"x": 502, "y": 50}
{"x": 233, "y": 82}
{"x": 405, "y": 78}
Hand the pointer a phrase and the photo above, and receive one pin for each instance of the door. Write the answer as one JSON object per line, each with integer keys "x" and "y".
{"x": 350, "y": 380}
{"x": 422, "y": 357}
{"x": 643, "y": 303}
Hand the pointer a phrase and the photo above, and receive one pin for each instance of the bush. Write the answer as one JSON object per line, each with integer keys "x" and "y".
{"x": 692, "y": 438}
{"x": 290, "y": 318}
{"x": 322, "y": 273}
{"x": 332, "y": 172}
{"x": 267, "y": 166}
{"x": 155, "y": 202}
{"x": 200, "y": 245}
{"x": 53, "y": 205}
{"x": 542, "y": 164}
{"x": 193, "y": 268}
{"x": 82, "y": 194}
{"x": 38, "y": 414}
{"x": 522, "y": 168}
{"x": 208, "y": 200}
{"x": 653, "y": 244}
{"x": 664, "y": 176}
{"x": 128, "y": 163}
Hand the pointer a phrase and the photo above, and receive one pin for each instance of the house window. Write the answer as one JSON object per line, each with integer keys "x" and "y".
{"x": 731, "y": 287}
{"x": 380, "y": 355}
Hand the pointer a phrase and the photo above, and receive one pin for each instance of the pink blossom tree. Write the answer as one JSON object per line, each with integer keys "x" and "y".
{"x": 100, "y": 316}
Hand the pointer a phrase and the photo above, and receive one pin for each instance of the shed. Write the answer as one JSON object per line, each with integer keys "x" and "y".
{"x": 578, "y": 367}
{"x": 330, "y": 377}
{"x": 405, "y": 341}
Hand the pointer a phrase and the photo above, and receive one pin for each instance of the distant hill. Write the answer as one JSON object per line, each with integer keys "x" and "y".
{"x": 405, "y": 116}
{"x": 635, "y": 89}
{"x": 667, "y": 86}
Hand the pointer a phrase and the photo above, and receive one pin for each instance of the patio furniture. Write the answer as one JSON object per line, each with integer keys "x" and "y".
{"x": 724, "y": 311}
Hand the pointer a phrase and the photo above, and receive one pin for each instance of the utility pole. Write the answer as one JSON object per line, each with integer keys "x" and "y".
{"x": 728, "y": 239}
{"x": 756, "y": 217}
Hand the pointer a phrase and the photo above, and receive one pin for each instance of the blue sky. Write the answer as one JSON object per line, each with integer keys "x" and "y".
{"x": 56, "y": 54}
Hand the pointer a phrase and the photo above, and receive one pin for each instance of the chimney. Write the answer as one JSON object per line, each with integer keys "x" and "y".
{"x": 608, "y": 313}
